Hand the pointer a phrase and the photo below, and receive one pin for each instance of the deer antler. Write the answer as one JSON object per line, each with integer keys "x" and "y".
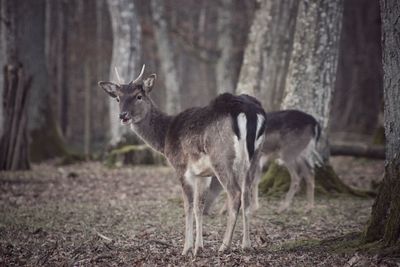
{"x": 118, "y": 77}
{"x": 140, "y": 75}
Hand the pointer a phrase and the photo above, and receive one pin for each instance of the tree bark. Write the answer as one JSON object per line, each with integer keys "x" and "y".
{"x": 166, "y": 56}
{"x": 268, "y": 52}
{"x": 312, "y": 70}
{"x": 250, "y": 73}
{"x": 224, "y": 71}
{"x": 384, "y": 224}
{"x": 276, "y": 54}
{"x": 125, "y": 56}
{"x": 310, "y": 85}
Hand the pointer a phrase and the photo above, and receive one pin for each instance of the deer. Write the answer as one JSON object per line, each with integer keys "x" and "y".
{"x": 220, "y": 140}
{"x": 291, "y": 137}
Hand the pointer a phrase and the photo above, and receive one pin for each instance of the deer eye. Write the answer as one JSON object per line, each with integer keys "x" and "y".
{"x": 139, "y": 97}
{"x": 117, "y": 98}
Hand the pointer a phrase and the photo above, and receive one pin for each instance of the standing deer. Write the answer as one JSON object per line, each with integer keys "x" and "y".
{"x": 290, "y": 136}
{"x": 220, "y": 140}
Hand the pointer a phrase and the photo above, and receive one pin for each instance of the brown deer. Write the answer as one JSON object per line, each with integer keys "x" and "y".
{"x": 291, "y": 137}
{"x": 220, "y": 140}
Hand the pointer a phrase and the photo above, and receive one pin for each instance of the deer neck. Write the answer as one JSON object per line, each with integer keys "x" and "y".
{"x": 153, "y": 128}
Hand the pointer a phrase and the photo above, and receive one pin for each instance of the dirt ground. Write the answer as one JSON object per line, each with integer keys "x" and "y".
{"x": 86, "y": 214}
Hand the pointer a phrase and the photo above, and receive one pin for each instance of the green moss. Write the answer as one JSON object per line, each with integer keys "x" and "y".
{"x": 276, "y": 181}
{"x": 379, "y": 136}
{"x": 132, "y": 154}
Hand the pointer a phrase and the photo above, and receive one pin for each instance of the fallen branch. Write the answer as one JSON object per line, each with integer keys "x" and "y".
{"x": 357, "y": 150}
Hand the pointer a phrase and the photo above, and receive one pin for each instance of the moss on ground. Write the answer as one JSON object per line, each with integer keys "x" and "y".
{"x": 276, "y": 181}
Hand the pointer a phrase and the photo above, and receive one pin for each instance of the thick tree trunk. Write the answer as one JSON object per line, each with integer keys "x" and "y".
{"x": 312, "y": 70}
{"x": 125, "y": 57}
{"x": 224, "y": 70}
{"x": 14, "y": 144}
{"x": 166, "y": 57}
{"x": 385, "y": 218}
{"x": 250, "y": 73}
{"x": 310, "y": 83}
{"x": 276, "y": 54}
{"x": 268, "y": 52}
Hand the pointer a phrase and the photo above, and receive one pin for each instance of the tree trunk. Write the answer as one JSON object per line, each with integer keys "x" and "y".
{"x": 268, "y": 52}
{"x": 250, "y": 73}
{"x": 166, "y": 57}
{"x": 276, "y": 54}
{"x": 310, "y": 82}
{"x": 14, "y": 152}
{"x": 385, "y": 217}
{"x": 224, "y": 71}
{"x": 125, "y": 56}
{"x": 312, "y": 70}
{"x": 357, "y": 99}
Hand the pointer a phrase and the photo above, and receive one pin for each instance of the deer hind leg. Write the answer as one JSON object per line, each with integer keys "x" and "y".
{"x": 294, "y": 186}
{"x": 256, "y": 170}
{"x": 215, "y": 189}
{"x": 307, "y": 173}
{"x": 231, "y": 186}
{"x": 247, "y": 201}
{"x": 200, "y": 191}
{"x": 187, "y": 190}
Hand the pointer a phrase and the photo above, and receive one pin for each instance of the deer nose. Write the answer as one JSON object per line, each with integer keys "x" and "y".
{"x": 123, "y": 115}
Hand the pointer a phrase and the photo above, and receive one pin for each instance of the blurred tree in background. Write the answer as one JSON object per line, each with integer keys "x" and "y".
{"x": 197, "y": 48}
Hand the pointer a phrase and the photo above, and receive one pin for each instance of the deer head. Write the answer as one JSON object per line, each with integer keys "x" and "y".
{"x": 134, "y": 100}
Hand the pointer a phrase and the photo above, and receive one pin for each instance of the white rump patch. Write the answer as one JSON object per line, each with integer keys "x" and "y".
{"x": 242, "y": 123}
{"x": 241, "y": 153}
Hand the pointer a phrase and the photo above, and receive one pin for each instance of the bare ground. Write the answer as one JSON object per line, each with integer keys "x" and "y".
{"x": 86, "y": 214}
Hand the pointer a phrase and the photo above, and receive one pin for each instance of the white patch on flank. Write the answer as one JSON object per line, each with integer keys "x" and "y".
{"x": 260, "y": 121}
{"x": 195, "y": 169}
{"x": 201, "y": 165}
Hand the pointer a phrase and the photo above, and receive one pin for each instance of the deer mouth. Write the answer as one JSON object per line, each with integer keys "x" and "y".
{"x": 126, "y": 121}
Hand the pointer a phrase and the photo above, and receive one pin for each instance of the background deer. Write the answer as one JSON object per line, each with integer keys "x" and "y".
{"x": 220, "y": 140}
{"x": 290, "y": 137}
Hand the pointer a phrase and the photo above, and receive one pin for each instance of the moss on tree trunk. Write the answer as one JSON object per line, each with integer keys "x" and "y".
{"x": 276, "y": 181}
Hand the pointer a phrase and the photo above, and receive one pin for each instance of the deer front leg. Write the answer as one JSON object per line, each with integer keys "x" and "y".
{"x": 200, "y": 191}
{"x": 188, "y": 205}
{"x": 308, "y": 173}
{"x": 293, "y": 189}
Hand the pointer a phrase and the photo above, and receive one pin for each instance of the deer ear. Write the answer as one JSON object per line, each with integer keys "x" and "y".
{"x": 110, "y": 88}
{"x": 149, "y": 82}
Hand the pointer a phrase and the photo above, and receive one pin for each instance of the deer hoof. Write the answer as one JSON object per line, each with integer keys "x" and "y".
{"x": 223, "y": 248}
{"x": 309, "y": 209}
{"x": 197, "y": 251}
{"x": 246, "y": 246}
{"x": 283, "y": 207}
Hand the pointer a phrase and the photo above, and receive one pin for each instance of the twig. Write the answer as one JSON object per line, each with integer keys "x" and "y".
{"x": 103, "y": 236}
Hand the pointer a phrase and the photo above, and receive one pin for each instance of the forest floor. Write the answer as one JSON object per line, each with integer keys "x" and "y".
{"x": 86, "y": 214}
